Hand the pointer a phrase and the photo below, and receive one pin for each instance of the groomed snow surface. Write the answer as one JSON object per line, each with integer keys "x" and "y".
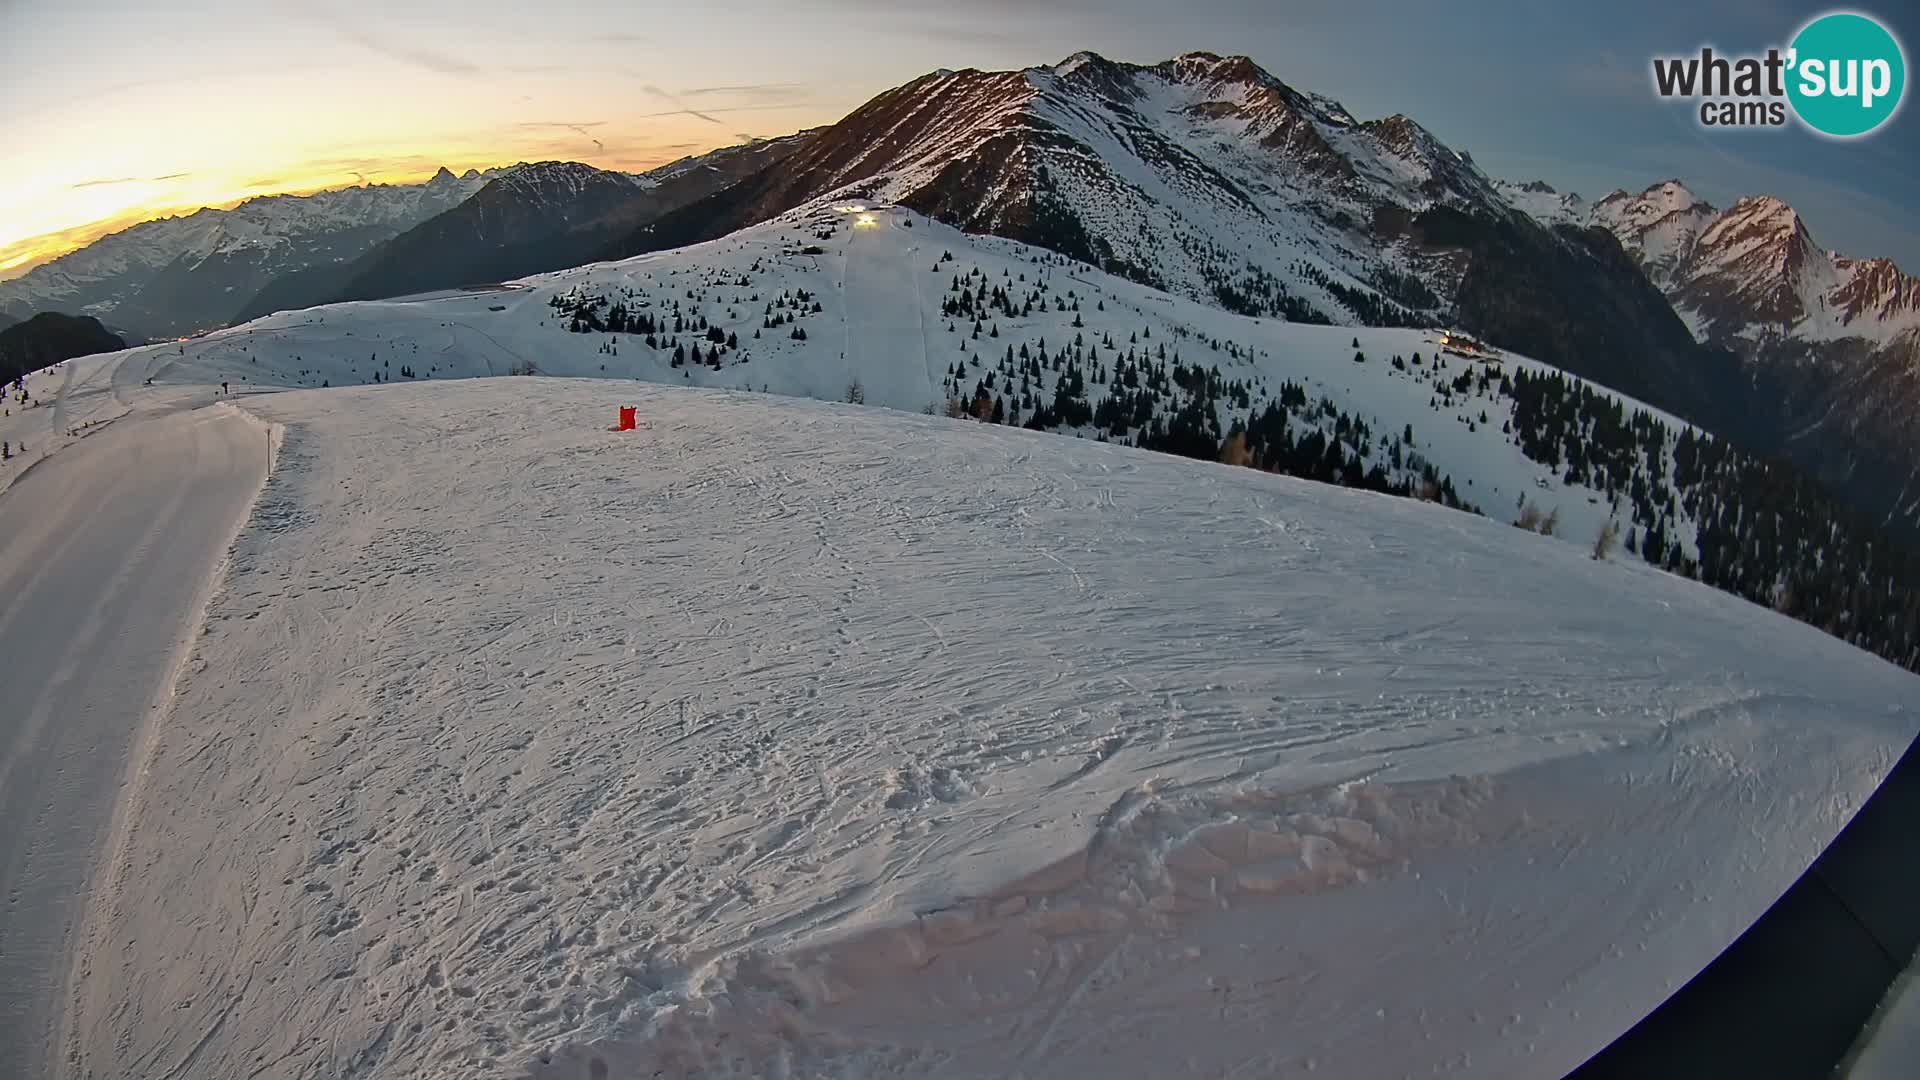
{"x": 781, "y": 738}
{"x": 106, "y": 551}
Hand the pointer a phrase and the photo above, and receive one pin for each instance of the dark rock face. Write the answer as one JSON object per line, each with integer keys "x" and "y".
{"x": 1575, "y": 297}
{"x": 528, "y": 220}
{"x": 542, "y": 217}
{"x": 1202, "y": 175}
{"x": 1334, "y": 220}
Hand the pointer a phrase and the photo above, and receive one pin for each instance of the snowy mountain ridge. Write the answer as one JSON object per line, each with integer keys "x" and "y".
{"x": 1209, "y": 178}
{"x": 530, "y": 219}
{"x": 559, "y": 180}
{"x": 196, "y": 271}
{"x": 1203, "y": 174}
{"x": 1750, "y": 274}
{"x": 175, "y": 274}
{"x": 262, "y": 221}
{"x": 1828, "y": 345}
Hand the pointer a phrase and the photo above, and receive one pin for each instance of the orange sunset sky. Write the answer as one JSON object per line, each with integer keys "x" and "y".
{"x": 116, "y": 111}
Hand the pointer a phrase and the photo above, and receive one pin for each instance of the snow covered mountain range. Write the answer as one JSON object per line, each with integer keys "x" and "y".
{"x": 211, "y": 268}
{"x": 180, "y": 274}
{"x": 1203, "y": 175}
{"x": 1830, "y": 344}
{"x": 530, "y": 219}
{"x": 1212, "y": 179}
{"x": 1749, "y": 275}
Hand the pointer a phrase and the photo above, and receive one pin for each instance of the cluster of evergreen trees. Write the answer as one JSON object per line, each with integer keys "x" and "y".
{"x": 684, "y": 333}
{"x": 1371, "y": 308}
{"x": 1762, "y": 530}
{"x": 1394, "y": 300}
{"x": 1289, "y": 435}
{"x": 1406, "y": 289}
{"x": 1157, "y": 401}
{"x": 1244, "y": 287}
{"x": 1140, "y": 393}
{"x": 1259, "y": 293}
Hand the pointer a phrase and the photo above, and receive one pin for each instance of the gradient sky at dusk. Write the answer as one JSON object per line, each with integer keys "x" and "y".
{"x": 117, "y": 110}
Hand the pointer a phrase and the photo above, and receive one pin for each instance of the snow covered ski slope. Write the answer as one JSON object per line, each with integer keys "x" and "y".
{"x": 886, "y": 326}
{"x": 786, "y": 738}
{"x": 105, "y": 554}
{"x": 920, "y": 314}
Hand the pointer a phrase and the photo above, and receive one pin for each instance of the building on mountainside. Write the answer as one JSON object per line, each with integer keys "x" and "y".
{"x": 1464, "y": 345}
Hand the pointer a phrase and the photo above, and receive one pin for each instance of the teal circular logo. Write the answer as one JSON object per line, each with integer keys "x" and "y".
{"x": 1846, "y": 74}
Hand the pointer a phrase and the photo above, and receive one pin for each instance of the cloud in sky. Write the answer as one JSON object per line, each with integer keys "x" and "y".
{"x": 83, "y": 89}
{"x": 401, "y": 47}
{"x": 578, "y": 128}
{"x": 681, "y": 107}
{"x": 751, "y": 97}
{"x": 131, "y": 180}
{"x": 704, "y": 115}
{"x": 406, "y": 53}
{"x": 758, "y": 91}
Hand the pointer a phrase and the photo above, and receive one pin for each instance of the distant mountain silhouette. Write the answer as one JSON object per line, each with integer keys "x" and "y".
{"x": 530, "y": 219}
{"x": 180, "y": 275}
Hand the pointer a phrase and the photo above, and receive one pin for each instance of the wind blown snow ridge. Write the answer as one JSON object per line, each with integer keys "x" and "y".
{"x": 784, "y": 737}
{"x": 1012, "y": 962}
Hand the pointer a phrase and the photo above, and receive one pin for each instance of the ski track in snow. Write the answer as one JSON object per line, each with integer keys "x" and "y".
{"x": 886, "y": 322}
{"x": 102, "y": 557}
{"x": 786, "y": 738}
